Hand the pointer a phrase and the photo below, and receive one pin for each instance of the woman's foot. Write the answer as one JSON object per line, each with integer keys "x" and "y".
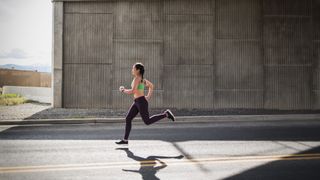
{"x": 170, "y": 115}
{"x": 122, "y": 141}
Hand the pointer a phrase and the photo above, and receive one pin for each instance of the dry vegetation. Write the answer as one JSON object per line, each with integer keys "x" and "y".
{"x": 11, "y": 99}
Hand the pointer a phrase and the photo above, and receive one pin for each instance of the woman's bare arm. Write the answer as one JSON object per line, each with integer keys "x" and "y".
{"x": 150, "y": 86}
{"x": 133, "y": 89}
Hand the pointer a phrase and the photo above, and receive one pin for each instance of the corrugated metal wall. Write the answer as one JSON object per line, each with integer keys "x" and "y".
{"x": 200, "y": 54}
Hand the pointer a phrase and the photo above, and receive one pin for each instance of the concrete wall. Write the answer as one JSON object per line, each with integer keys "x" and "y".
{"x": 200, "y": 54}
{"x": 316, "y": 54}
{"x": 12, "y": 77}
{"x": 288, "y": 54}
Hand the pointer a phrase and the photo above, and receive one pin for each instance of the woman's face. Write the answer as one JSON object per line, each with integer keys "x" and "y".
{"x": 134, "y": 71}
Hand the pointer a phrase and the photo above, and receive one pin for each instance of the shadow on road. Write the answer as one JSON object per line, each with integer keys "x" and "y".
{"x": 291, "y": 167}
{"x": 219, "y": 131}
{"x": 148, "y": 168}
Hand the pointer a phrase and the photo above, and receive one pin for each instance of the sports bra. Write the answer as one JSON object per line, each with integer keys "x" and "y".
{"x": 141, "y": 86}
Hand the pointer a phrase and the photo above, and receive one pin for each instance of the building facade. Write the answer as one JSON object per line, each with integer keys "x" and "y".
{"x": 199, "y": 54}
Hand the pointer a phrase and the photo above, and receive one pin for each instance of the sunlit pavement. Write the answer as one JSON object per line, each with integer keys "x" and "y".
{"x": 212, "y": 150}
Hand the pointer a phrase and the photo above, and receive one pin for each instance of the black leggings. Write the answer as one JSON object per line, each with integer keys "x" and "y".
{"x": 140, "y": 104}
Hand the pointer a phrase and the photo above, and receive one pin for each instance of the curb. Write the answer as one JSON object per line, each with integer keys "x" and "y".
{"x": 182, "y": 119}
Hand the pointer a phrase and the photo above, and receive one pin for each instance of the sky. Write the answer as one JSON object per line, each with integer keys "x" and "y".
{"x": 25, "y": 32}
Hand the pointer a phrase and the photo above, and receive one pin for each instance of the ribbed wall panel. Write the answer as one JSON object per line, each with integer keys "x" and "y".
{"x": 188, "y": 86}
{"x": 238, "y": 98}
{"x": 287, "y": 7}
{"x": 287, "y": 40}
{"x": 316, "y": 19}
{"x": 188, "y": 54}
{"x": 316, "y": 53}
{"x": 88, "y": 38}
{"x": 138, "y": 37}
{"x": 87, "y": 86}
{"x": 288, "y": 87}
{"x": 287, "y": 36}
{"x": 239, "y": 64}
{"x": 188, "y": 39}
{"x": 181, "y": 7}
{"x": 127, "y": 52}
{"x": 200, "y": 54}
{"x": 238, "y": 60}
{"x": 85, "y": 7}
{"x": 88, "y": 55}
{"x": 142, "y": 19}
{"x": 238, "y": 19}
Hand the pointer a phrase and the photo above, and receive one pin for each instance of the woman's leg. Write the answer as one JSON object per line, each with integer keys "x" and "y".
{"x": 142, "y": 105}
{"x": 133, "y": 111}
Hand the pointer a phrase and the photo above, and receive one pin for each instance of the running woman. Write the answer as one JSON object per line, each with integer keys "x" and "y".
{"x": 140, "y": 102}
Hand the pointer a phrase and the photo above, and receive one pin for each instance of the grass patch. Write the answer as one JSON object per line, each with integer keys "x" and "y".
{"x": 12, "y": 99}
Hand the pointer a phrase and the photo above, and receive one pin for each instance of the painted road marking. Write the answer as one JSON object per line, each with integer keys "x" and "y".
{"x": 229, "y": 159}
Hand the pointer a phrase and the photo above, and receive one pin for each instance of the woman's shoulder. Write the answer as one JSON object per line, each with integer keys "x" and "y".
{"x": 137, "y": 80}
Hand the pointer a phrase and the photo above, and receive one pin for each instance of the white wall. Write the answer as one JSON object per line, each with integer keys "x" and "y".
{"x": 41, "y": 94}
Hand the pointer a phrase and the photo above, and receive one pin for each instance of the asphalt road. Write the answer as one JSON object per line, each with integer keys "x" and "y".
{"x": 213, "y": 150}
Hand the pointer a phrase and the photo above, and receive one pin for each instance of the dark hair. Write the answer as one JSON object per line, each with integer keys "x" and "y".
{"x": 140, "y": 67}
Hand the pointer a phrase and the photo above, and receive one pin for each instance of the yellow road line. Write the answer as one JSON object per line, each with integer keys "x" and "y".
{"x": 87, "y": 166}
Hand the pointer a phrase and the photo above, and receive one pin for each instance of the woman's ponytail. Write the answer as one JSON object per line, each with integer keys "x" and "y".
{"x": 140, "y": 66}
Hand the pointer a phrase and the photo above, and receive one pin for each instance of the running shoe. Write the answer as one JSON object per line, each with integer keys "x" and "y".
{"x": 122, "y": 142}
{"x": 170, "y": 115}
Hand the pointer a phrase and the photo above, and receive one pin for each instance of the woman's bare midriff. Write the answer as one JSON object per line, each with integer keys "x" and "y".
{"x": 136, "y": 95}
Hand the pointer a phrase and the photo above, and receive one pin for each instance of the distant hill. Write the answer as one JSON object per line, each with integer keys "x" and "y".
{"x": 39, "y": 68}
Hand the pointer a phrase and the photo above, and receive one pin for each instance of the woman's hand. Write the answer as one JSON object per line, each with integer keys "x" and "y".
{"x": 147, "y": 98}
{"x": 121, "y": 88}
